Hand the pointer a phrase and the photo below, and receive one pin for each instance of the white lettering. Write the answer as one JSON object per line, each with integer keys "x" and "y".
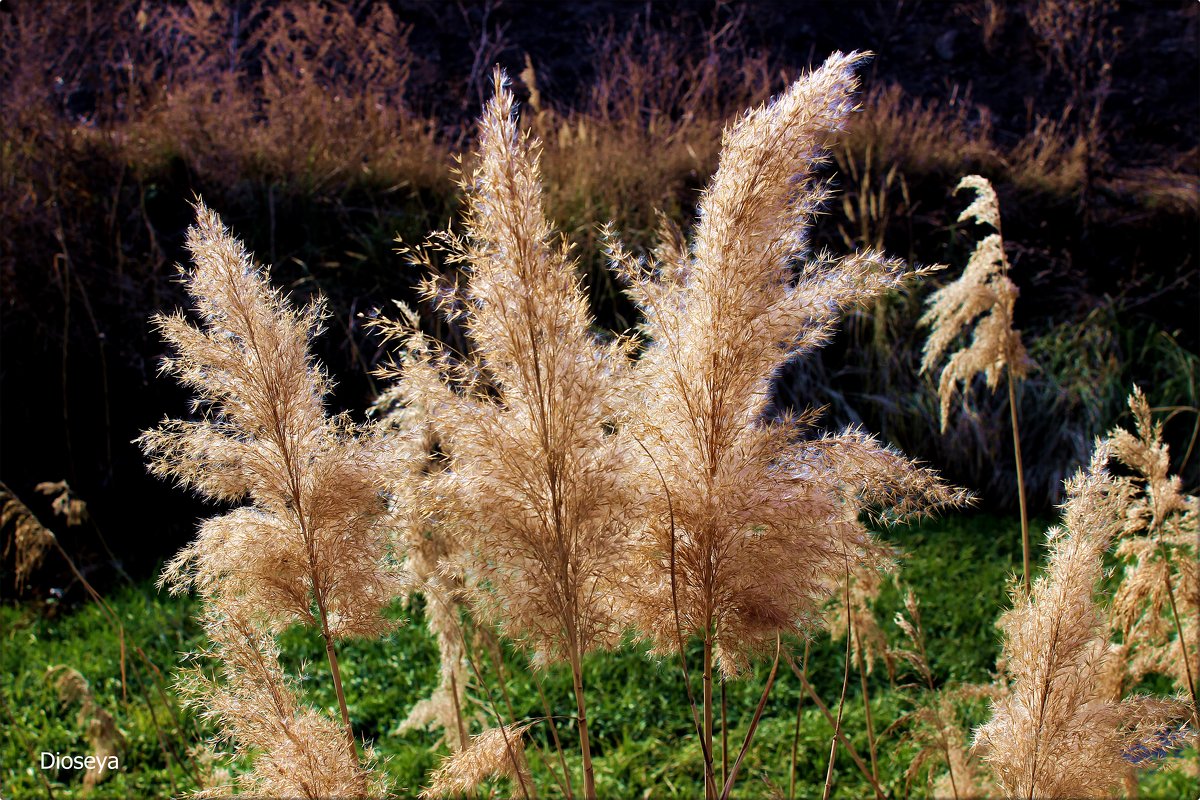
{"x": 59, "y": 761}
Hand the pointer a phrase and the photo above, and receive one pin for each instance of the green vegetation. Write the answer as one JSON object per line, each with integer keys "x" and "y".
{"x": 957, "y": 566}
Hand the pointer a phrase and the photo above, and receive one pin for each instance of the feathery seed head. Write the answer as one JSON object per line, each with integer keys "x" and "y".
{"x": 294, "y": 750}
{"x": 496, "y": 752}
{"x": 314, "y": 529}
{"x": 27, "y": 540}
{"x": 726, "y": 489}
{"x": 983, "y": 296}
{"x": 533, "y": 488}
{"x": 985, "y": 208}
{"x": 1156, "y": 607}
{"x": 1060, "y": 732}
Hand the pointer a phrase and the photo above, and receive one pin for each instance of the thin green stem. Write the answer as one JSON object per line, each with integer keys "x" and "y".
{"x": 562, "y": 759}
{"x": 724, "y": 735}
{"x": 508, "y": 744}
{"x": 589, "y": 777}
{"x": 796, "y": 733}
{"x": 837, "y": 726}
{"x": 710, "y": 783}
{"x": 862, "y": 674}
{"x": 335, "y": 670}
{"x": 1012, "y": 407}
{"x": 1187, "y": 661}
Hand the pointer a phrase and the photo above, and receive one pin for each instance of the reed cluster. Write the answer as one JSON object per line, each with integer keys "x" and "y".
{"x": 1064, "y": 729}
{"x": 563, "y": 487}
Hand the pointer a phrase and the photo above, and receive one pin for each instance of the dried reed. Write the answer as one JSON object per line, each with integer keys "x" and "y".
{"x": 296, "y": 751}
{"x": 312, "y": 546}
{"x": 983, "y": 295}
{"x": 1060, "y": 732}
{"x": 495, "y": 752}
{"x": 1156, "y": 607}
{"x": 933, "y": 725}
{"x": 28, "y": 539}
{"x": 534, "y": 488}
{"x": 730, "y": 489}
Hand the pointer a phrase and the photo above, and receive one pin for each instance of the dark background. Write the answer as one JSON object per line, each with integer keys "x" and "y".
{"x": 319, "y": 143}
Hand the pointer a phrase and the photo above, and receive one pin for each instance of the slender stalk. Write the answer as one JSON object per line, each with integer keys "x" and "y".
{"x": 949, "y": 763}
{"x": 837, "y": 726}
{"x": 162, "y": 742}
{"x": 927, "y": 673}
{"x": 284, "y": 442}
{"x": 458, "y": 717}
{"x": 157, "y": 677}
{"x": 724, "y": 735}
{"x": 104, "y": 606}
{"x": 710, "y": 788}
{"x": 589, "y": 778}
{"x": 496, "y": 654}
{"x": 842, "y": 740}
{"x": 762, "y": 703}
{"x": 795, "y": 748}
{"x": 1187, "y": 662}
{"x": 862, "y": 675}
{"x": 687, "y": 679}
{"x": 942, "y": 739}
{"x": 334, "y": 669}
{"x": 562, "y": 759}
{"x": 512, "y": 756}
{"x": 116, "y": 622}
{"x": 1051, "y": 668}
{"x": 1012, "y": 408}
{"x": 545, "y": 401}
{"x": 796, "y": 734}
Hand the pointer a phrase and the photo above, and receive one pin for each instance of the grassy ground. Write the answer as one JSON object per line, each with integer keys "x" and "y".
{"x": 958, "y": 567}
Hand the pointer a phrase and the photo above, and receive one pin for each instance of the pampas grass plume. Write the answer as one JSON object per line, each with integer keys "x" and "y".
{"x": 534, "y": 488}
{"x": 1059, "y": 732}
{"x": 983, "y": 295}
{"x": 496, "y": 752}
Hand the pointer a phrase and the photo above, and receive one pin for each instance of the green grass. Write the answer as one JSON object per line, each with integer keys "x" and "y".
{"x": 642, "y": 736}
{"x": 34, "y": 639}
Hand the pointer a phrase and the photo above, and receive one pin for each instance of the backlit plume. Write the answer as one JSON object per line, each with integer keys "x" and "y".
{"x": 983, "y": 296}
{"x": 1060, "y": 732}
{"x": 534, "y": 487}
{"x": 750, "y": 523}
{"x": 311, "y": 545}
{"x": 311, "y": 541}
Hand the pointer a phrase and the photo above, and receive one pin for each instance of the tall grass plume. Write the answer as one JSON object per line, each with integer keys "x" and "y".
{"x": 1061, "y": 731}
{"x": 534, "y": 487}
{"x": 312, "y": 544}
{"x": 730, "y": 486}
{"x": 984, "y": 297}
